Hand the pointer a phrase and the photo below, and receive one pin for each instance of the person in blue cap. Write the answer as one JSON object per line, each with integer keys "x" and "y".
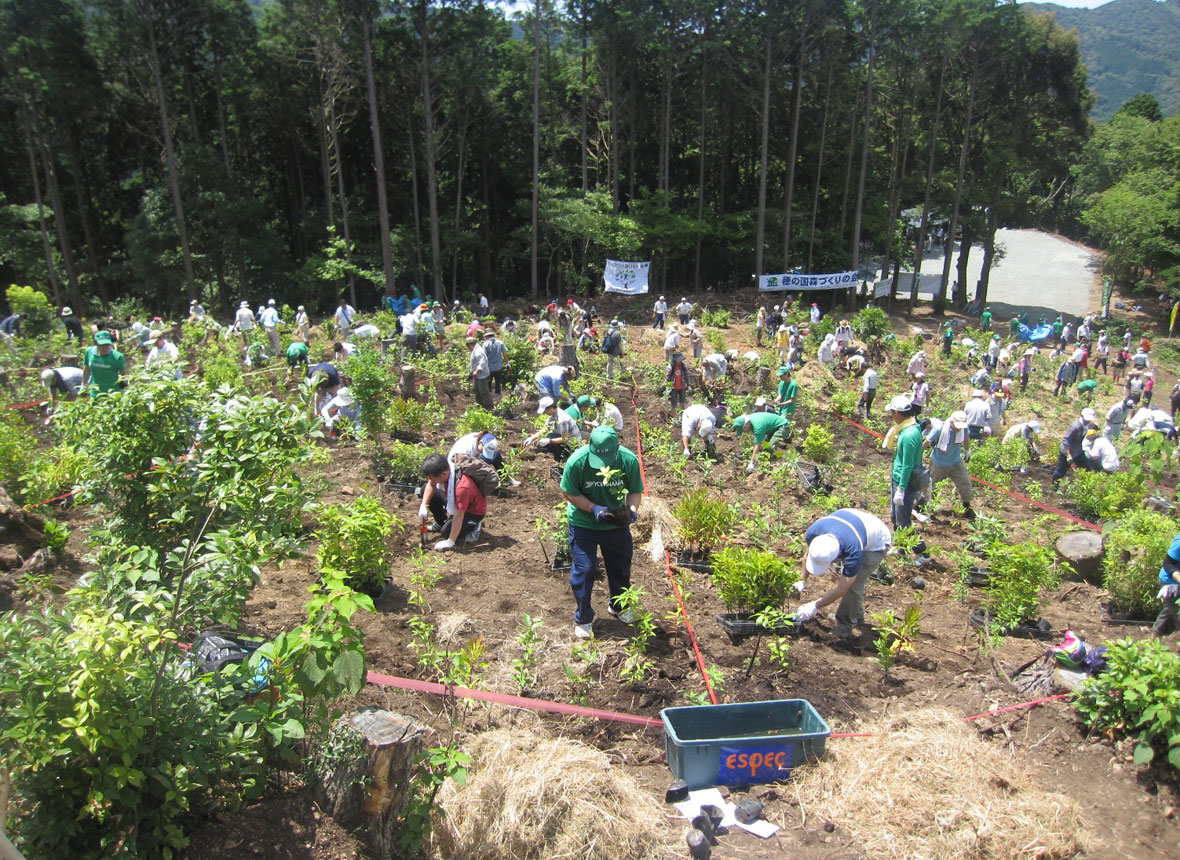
{"x": 603, "y": 487}
{"x": 1169, "y": 592}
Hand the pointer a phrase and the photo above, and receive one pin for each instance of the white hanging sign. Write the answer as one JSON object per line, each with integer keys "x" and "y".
{"x": 834, "y": 281}
{"x": 630, "y": 279}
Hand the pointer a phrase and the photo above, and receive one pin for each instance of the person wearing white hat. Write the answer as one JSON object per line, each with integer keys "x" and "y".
{"x": 1070, "y": 452}
{"x": 700, "y": 420}
{"x": 1100, "y": 451}
{"x": 949, "y": 452}
{"x": 993, "y": 352}
{"x": 684, "y": 310}
{"x": 61, "y": 382}
{"x": 163, "y": 352}
{"x": 859, "y": 540}
{"x": 345, "y": 314}
{"x": 302, "y": 324}
{"x": 671, "y": 342}
{"x": 244, "y": 320}
{"x": 195, "y": 311}
{"x": 917, "y": 363}
{"x": 558, "y": 431}
{"x": 72, "y": 323}
{"x": 827, "y": 350}
{"x": 759, "y": 326}
{"x": 696, "y": 339}
{"x": 979, "y": 413}
{"x": 342, "y": 407}
{"x": 659, "y": 313}
{"x": 1030, "y": 432}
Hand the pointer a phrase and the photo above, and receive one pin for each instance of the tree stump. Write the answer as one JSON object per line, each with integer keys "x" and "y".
{"x": 1084, "y": 552}
{"x": 407, "y": 383}
{"x": 369, "y": 784}
{"x": 569, "y": 357}
{"x": 386, "y": 343}
{"x": 761, "y": 379}
{"x": 18, "y": 526}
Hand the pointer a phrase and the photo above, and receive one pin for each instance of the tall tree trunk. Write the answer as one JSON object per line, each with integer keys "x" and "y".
{"x": 853, "y": 123}
{"x": 792, "y": 154}
{"x": 760, "y": 231}
{"x": 958, "y": 297}
{"x": 613, "y": 123}
{"x": 154, "y": 63}
{"x": 819, "y": 170}
{"x": 59, "y": 220}
{"x": 920, "y": 244}
{"x": 378, "y": 157}
{"x": 46, "y": 245}
{"x": 430, "y": 155}
{"x": 459, "y": 193}
{"x": 414, "y": 200}
{"x": 338, "y": 169}
{"x": 534, "y": 284}
{"x": 325, "y": 158}
{"x": 901, "y": 141}
{"x": 696, "y": 280}
{"x": 585, "y": 110}
{"x": 88, "y": 235}
{"x": 946, "y": 262}
{"x": 858, "y": 212}
{"x": 989, "y": 248}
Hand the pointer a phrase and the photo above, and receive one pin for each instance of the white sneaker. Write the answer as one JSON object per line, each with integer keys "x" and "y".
{"x": 684, "y": 453}
{"x": 626, "y": 616}
{"x": 474, "y": 536}
{"x": 512, "y": 482}
{"x": 583, "y": 631}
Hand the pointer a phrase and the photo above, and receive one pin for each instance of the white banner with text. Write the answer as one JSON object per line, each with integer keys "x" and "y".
{"x": 630, "y": 279}
{"x": 834, "y": 281}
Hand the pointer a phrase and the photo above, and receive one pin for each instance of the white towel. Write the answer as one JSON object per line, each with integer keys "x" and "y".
{"x": 944, "y": 437}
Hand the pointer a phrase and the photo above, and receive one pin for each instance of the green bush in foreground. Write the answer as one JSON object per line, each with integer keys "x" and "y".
{"x": 353, "y": 540}
{"x": 1098, "y": 494}
{"x": 750, "y": 580}
{"x": 1135, "y": 549}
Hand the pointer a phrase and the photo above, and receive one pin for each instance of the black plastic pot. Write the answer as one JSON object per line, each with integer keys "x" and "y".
{"x": 978, "y": 577}
{"x": 1040, "y": 629}
{"x": 403, "y": 436}
{"x": 741, "y": 625}
{"x": 1114, "y": 615}
{"x": 561, "y": 565}
{"x": 402, "y": 487}
{"x": 694, "y": 561}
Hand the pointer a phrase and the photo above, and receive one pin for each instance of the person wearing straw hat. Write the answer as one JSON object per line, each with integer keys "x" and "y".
{"x": 603, "y": 488}
{"x": 72, "y": 323}
{"x": 195, "y": 310}
{"x": 843, "y": 335}
{"x": 949, "y": 452}
{"x": 696, "y": 339}
{"x": 102, "y": 365}
{"x": 860, "y": 541}
{"x": 671, "y": 341}
{"x": 684, "y": 310}
{"x": 1071, "y": 451}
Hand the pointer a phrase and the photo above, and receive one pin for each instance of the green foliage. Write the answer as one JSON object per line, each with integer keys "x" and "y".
{"x": 1149, "y": 457}
{"x": 751, "y": 580}
{"x": 404, "y": 460}
{"x": 528, "y": 638}
{"x": 372, "y": 385}
{"x": 35, "y": 305}
{"x": 636, "y": 664}
{"x": 896, "y": 635}
{"x": 354, "y": 539}
{"x": 479, "y": 419}
{"x": 778, "y": 647}
{"x": 406, "y": 416}
{"x": 819, "y": 444}
{"x": 1105, "y": 496}
{"x": 1019, "y": 572}
{"x": 869, "y": 323}
{"x": 716, "y": 318}
{"x": 843, "y": 403}
{"x": 1138, "y": 695}
{"x": 57, "y": 534}
{"x": 1135, "y": 551}
{"x": 521, "y": 362}
{"x": 221, "y": 368}
{"x": 18, "y": 453}
{"x": 704, "y": 518}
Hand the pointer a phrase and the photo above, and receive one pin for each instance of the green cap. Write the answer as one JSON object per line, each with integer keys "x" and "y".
{"x": 103, "y": 337}
{"x": 739, "y": 423}
{"x": 604, "y": 447}
{"x": 783, "y": 369}
{"x": 585, "y": 400}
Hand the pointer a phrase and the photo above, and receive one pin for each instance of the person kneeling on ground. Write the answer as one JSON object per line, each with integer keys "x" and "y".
{"x": 470, "y": 504}
{"x": 341, "y": 407}
{"x": 560, "y": 428}
{"x": 1100, "y": 451}
{"x": 861, "y": 541}
{"x": 769, "y": 429}
{"x": 603, "y": 487}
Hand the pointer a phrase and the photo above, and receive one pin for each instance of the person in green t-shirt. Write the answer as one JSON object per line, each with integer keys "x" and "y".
{"x": 985, "y": 319}
{"x": 603, "y": 487}
{"x": 909, "y": 477}
{"x": 576, "y": 410}
{"x": 788, "y": 392}
{"x": 1014, "y": 326}
{"x": 296, "y": 356}
{"x": 102, "y": 365}
{"x": 769, "y": 428}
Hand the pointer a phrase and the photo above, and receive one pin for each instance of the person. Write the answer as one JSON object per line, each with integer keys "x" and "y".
{"x": 1100, "y": 451}
{"x": 870, "y": 381}
{"x": 948, "y": 339}
{"x": 815, "y": 313}
{"x": 1141, "y": 360}
{"x": 671, "y": 342}
{"x": 244, "y": 320}
{"x": 1174, "y": 399}
{"x": 440, "y": 322}
{"x": 603, "y": 488}
{"x": 1058, "y": 327}
{"x": 612, "y": 347}
{"x": 366, "y": 331}
{"x": 554, "y": 379}
{"x": 72, "y": 323}
{"x": 407, "y": 325}
{"x": 1119, "y": 365}
{"x": 855, "y": 364}
{"x": 302, "y": 324}
{"x": 270, "y": 324}
{"x": 1127, "y": 338}
{"x": 61, "y": 382}
{"x": 1071, "y": 452}
{"x": 920, "y": 391}
{"x": 679, "y": 383}
{"x": 948, "y": 455}
{"x": 342, "y": 350}
{"x": 861, "y": 541}
{"x": 195, "y": 310}
{"x": 496, "y": 353}
{"x": 476, "y": 326}
{"x": 978, "y": 414}
{"x": 908, "y": 478}
{"x": 559, "y": 429}
{"x": 993, "y": 352}
{"x": 1066, "y": 333}
{"x": 578, "y": 409}
{"x": 102, "y": 365}
{"x": 659, "y": 313}
{"x": 788, "y": 393}
{"x": 782, "y": 342}
{"x": 545, "y": 341}
{"x": 714, "y": 366}
{"x": 10, "y": 327}
{"x": 1147, "y": 421}
{"x": 696, "y": 339}
{"x": 1024, "y": 367}
{"x": 327, "y": 386}
{"x": 484, "y": 307}
{"x": 610, "y": 416}
{"x": 769, "y": 428}
{"x": 163, "y": 352}
{"x": 1029, "y": 431}
{"x": 684, "y": 310}
{"x": 981, "y": 378}
{"x": 345, "y": 314}
{"x": 760, "y": 326}
{"x": 997, "y": 406}
{"x": 481, "y": 376}
{"x": 843, "y": 335}
{"x": 1134, "y": 386}
{"x": 1101, "y": 353}
{"x": 340, "y": 407}
{"x": 985, "y": 319}
{"x": 827, "y": 350}
{"x": 461, "y": 520}
{"x": 1166, "y": 620}
{"x": 1148, "y": 387}
{"x": 296, "y": 355}
{"x": 917, "y": 363}
{"x": 1116, "y": 417}
{"x": 698, "y": 419}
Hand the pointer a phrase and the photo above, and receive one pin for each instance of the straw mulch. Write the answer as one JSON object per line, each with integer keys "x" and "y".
{"x": 816, "y": 378}
{"x": 926, "y": 787}
{"x": 528, "y": 796}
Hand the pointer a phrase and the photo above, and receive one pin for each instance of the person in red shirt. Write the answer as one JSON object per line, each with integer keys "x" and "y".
{"x": 471, "y": 506}
{"x": 678, "y": 381}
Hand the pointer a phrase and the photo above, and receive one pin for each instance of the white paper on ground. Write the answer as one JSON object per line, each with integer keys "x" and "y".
{"x": 691, "y": 808}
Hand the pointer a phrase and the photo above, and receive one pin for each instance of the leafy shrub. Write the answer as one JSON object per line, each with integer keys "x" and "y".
{"x": 371, "y": 385}
{"x": 522, "y": 362}
{"x": 844, "y": 403}
{"x": 354, "y": 540}
{"x": 1135, "y": 549}
{"x": 1019, "y": 572}
{"x": 405, "y": 460}
{"x": 704, "y": 518}
{"x": 1098, "y": 494}
{"x": 818, "y": 444}
{"x": 35, "y": 305}
{"x": 718, "y": 318}
{"x": 869, "y": 323}
{"x": 406, "y": 416}
{"x": 57, "y": 534}
{"x": 1138, "y": 694}
{"x": 18, "y": 451}
{"x": 750, "y": 580}
{"x": 477, "y": 418}
{"x": 221, "y": 368}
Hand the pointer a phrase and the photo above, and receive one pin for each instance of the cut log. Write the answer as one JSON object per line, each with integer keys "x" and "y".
{"x": 407, "y": 383}
{"x": 369, "y": 786}
{"x": 18, "y": 526}
{"x": 1084, "y": 553}
{"x": 386, "y": 343}
{"x": 569, "y": 357}
{"x": 762, "y": 378}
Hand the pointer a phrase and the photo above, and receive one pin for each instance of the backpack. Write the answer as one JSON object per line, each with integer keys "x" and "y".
{"x": 480, "y": 471}
{"x": 609, "y": 343}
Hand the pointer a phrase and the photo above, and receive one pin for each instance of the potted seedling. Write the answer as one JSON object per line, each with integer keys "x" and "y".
{"x": 404, "y": 462}
{"x": 1012, "y": 596}
{"x": 704, "y": 520}
{"x": 750, "y": 581}
{"x": 556, "y": 530}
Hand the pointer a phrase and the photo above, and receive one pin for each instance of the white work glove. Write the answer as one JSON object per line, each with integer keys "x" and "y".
{"x": 684, "y": 453}
{"x": 1167, "y": 591}
{"x": 423, "y": 512}
{"x": 899, "y": 497}
{"x": 806, "y": 612}
{"x": 800, "y": 586}
{"x": 444, "y": 545}
{"x": 750, "y": 469}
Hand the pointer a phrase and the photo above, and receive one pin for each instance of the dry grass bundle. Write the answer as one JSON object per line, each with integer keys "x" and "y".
{"x": 529, "y": 796}
{"x": 927, "y": 787}
{"x": 816, "y": 378}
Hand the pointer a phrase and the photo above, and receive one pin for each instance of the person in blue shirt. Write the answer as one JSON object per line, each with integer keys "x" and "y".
{"x": 1169, "y": 591}
{"x": 552, "y": 379}
{"x": 949, "y": 454}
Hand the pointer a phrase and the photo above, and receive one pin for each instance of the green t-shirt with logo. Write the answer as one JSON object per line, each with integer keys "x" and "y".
{"x": 764, "y": 425}
{"x": 986, "y": 319}
{"x": 582, "y": 479}
{"x": 788, "y": 391}
{"x": 104, "y": 369}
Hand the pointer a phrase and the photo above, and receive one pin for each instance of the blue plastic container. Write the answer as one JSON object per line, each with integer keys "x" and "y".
{"x": 742, "y": 744}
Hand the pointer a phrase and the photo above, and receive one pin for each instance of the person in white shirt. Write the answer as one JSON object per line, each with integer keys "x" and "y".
{"x": 163, "y": 352}
{"x": 609, "y": 415}
{"x": 827, "y": 350}
{"x": 671, "y": 342}
{"x": 978, "y": 414}
{"x": 341, "y": 407}
{"x": 408, "y": 325}
{"x": 270, "y": 324}
{"x": 696, "y": 338}
{"x": 1140, "y": 359}
{"x": 302, "y": 324}
{"x": 993, "y": 352}
{"x": 1100, "y": 451}
{"x": 483, "y": 305}
{"x": 1029, "y": 431}
{"x": 684, "y": 311}
{"x": 366, "y": 330}
{"x": 917, "y": 363}
{"x": 702, "y": 421}
{"x": 871, "y": 381}
{"x": 195, "y": 311}
{"x": 815, "y": 313}
{"x": 659, "y": 313}
{"x": 843, "y": 334}
{"x": 921, "y": 389}
{"x": 342, "y": 350}
{"x": 243, "y": 320}
{"x": 714, "y": 366}
{"x": 344, "y": 316}
{"x": 558, "y": 431}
